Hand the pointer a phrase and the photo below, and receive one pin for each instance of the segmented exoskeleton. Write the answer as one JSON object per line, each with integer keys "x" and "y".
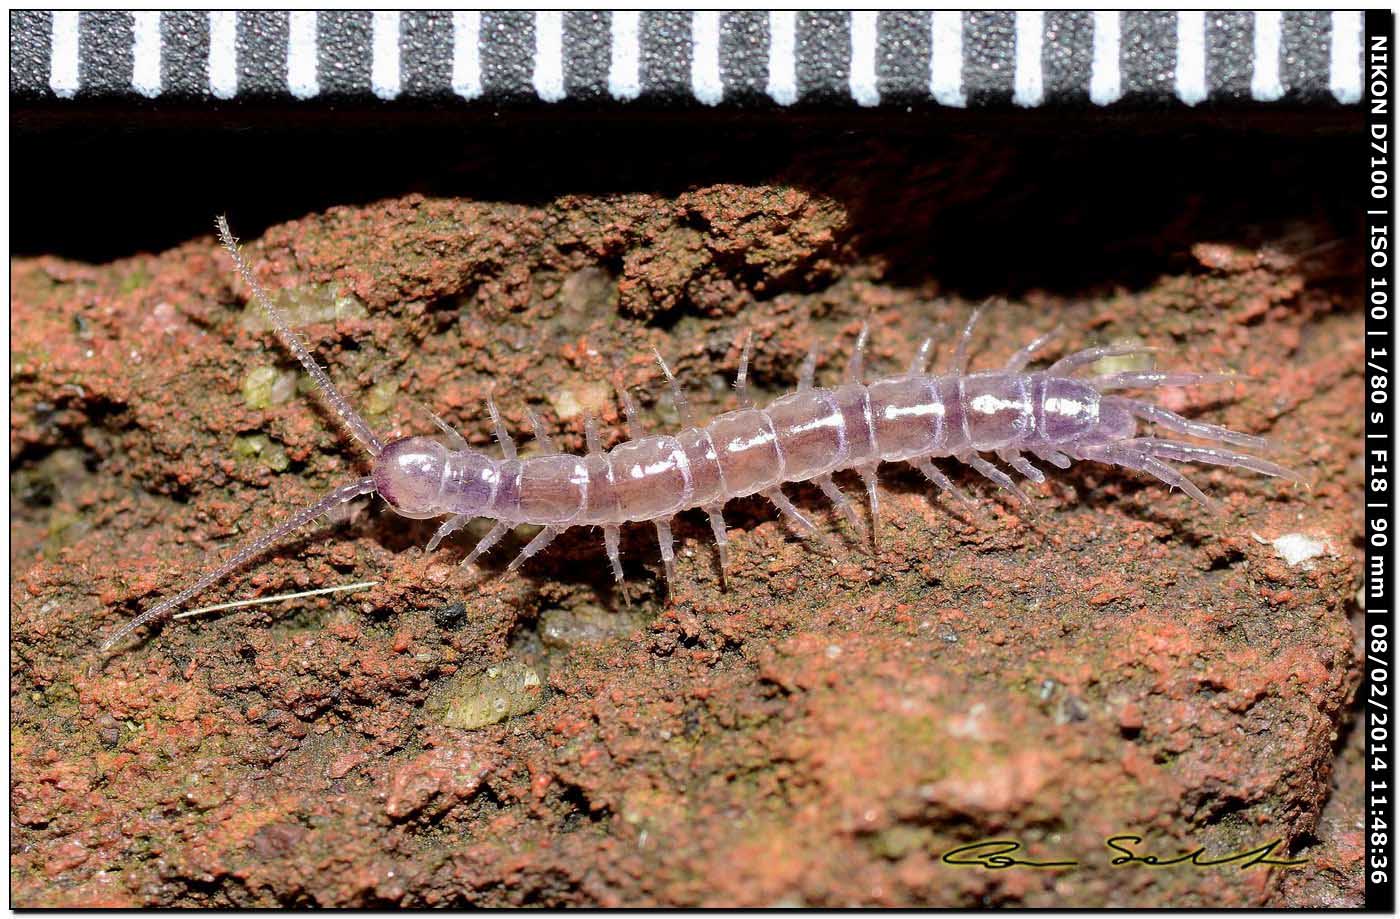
{"x": 806, "y": 435}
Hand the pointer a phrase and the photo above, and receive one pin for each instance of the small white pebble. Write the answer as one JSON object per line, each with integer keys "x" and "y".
{"x": 1296, "y": 548}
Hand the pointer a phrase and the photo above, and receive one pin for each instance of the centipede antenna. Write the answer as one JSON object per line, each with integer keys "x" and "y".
{"x": 348, "y": 416}
{"x": 258, "y": 544}
{"x": 677, "y": 394}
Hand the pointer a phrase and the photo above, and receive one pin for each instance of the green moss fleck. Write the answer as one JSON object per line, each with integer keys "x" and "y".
{"x": 262, "y": 447}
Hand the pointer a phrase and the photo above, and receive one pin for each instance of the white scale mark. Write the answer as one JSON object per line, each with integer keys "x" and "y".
{"x": 865, "y": 40}
{"x": 223, "y": 54}
{"x": 548, "y": 78}
{"x": 705, "y": 80}
{"x": 302, "y": 81}
{"x": 625, "y": 65}
{"x": 1106, "y": 73}
{"x": 384, "y": 78}
{"x": 466, "y": 54}
{"x": 1267, "y": 84}
{"x": 782, "y": 56}
{"x": 945, "y": 67}
{"x": 145, "y": 53}
{"x": 1345, "y": 77}
{"x": 1191, "y": 57}
{"x": 1029, "y": 85}
{"x": 63, "y": 54}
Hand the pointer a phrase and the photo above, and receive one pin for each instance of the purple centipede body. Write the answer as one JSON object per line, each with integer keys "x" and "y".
{"x": 807, "y": 435}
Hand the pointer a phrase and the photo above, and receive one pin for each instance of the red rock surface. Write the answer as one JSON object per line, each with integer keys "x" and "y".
{"x": 819, "y": 733}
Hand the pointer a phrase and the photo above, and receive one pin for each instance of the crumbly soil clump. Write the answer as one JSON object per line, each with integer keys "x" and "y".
{"x": 1113, "y": 661}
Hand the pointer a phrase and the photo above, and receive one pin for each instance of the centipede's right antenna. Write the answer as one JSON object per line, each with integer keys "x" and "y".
{"x": 348, "y": 416}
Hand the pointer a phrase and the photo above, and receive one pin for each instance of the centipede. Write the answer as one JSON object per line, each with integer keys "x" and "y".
{"x": 1058, "y": 415}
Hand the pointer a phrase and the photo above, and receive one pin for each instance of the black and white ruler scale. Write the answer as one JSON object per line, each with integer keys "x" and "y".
{"x": 775, "y": 59}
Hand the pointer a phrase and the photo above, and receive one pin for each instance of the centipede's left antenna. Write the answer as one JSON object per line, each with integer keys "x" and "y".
{"x": 166, "y": 608}
{"x": 348, "y": 416}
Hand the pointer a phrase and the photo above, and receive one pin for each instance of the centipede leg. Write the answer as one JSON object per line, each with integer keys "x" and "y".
{"x": 1053, "y": 457}
{"x": 792, "y": 515}
{"x": 590, "y": 435}
{"x": 936, "y": 476}
{"x": 1021, "y": 358}
{"x": 807, "y": 374}
{"x": 843, "y": 503}
{"x": 454, "y": 438}
{"x": 741, "y": 379}
{"x": 668, "y": 553}
{"x": 988, "y": 471}
{"x": 1152, "y": 379}
{"x": 629, "y": 409}
{"x": 534, "y": 547}
{"x": 486, "y": 542}
{"x": 965, "y": 342}
{"x": 502, "y": 435}
{"x": 716, "y": 516}
{"x": 449, "y": 526}
{"x": 855, "y": 370}
{"x": 612, "y": 536}
{"x": 868, "y": 476}
{"x": 677, "y": 394}
{"x": 541, "y": 433}
{"x": 1133, "y": 458}
{"x": 1064, "y": 365}
{"x": 1022, "y": 465}
{"x": 919, "y": 364}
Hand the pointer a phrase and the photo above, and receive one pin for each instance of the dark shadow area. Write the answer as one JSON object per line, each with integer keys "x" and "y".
{"x": 988, "y": 203}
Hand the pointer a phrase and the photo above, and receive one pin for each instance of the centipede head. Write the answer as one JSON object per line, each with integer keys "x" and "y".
{"x": 419, "y": 478}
